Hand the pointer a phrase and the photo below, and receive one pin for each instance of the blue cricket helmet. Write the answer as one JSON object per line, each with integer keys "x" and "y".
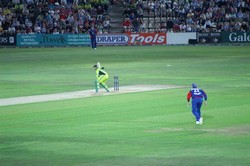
{"x": 194, "y": 85}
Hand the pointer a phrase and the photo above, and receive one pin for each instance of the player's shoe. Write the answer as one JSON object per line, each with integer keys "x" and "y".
{"x": 107, "y": 88}
{"x": 197, "y": 122}
{"x": 201, "y": 120}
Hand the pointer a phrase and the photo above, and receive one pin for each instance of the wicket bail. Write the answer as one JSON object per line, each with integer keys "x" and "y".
{"x": 116, "y": 83}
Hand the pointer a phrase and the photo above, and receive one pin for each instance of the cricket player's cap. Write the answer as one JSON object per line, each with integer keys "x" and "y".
{"x": 194, "y": 85}
{"x": 95, "y": 66}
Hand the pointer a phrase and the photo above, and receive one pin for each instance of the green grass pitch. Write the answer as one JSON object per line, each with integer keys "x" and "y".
{"x": 154, "y": 128}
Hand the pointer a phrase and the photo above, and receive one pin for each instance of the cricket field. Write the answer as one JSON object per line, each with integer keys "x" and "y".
{"x": 144, "y": 128}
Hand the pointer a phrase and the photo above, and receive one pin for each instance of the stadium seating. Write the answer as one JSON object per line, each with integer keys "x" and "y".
{"x": 76, "y": 16}
{"x": 191, "y": 16}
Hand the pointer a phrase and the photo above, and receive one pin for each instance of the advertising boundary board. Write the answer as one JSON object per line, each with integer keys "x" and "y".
{"x": 7, "y": 40}
{"x": 28, "y": 40}
{"x": 209, "y": 37}
{"x": 236, "y": 37}
{"x": 132, "y": 39}
{"x": 124, "y": 39}
{"x": 180, "y": 38}
{"x": 112, "y": 39}
{"x": 224, "y": 37}
{"x": 147, "y": 38}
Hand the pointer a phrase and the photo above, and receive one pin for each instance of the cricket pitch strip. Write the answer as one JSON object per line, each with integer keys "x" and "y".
{"x": 82, "y": 94}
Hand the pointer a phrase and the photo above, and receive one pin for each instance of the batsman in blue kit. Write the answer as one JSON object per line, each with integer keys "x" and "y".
{"x": 92, "y": 33}
{"x": 197, "y": 95}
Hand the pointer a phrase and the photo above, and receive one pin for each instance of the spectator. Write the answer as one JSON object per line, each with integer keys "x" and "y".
{"x": 244, "y": 27}
{"x": 30, "y": 31}
{"x": 169, "y": 10}
{"x": 43, "y": 27}
{"x": 126, "y": 12}
{"x": 140, "y": 12}
{"x": 183, "y": 27}
{"x": 74, "y": 16}
{"x": 162, "y": 9}
{"x": 11, "y": 30}
{"x": 80, "y": 25}
{"x": 99, "y": 12}
{"x": 37, "y": 28}
{"x": 126, "y": 24}
{"x": 1, "y": 30}
{"x": 142, "y": 25}
{"x": 176, "y": 28}
{"x": 136, "y": 25}
{"x": 132, "y": 17}
{"x": 151, "y": 6}
{"x": 100, "y": 28}
{"x": 86, "y": 26}
{"x": 106, "y": 24}
{"x": 170, "y": 24}
{"x": 55, "y": 31}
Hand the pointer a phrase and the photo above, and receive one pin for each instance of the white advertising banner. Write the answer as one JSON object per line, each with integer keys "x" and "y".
{"x": 180, "y": 38}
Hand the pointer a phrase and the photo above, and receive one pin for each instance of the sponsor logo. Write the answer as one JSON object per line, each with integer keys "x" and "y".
{"x": 4, "y": 40}
{"x": 203, "y": 34}
{"x": 148, "y": 38}
{"x": 51, "y": 39}
{"x": 215, "y": 34}
{"x": 239, "y": 37}
{"x": 112, "y": 39}
{"x": 7, "y": 40}
{"x": 213, "y": 37}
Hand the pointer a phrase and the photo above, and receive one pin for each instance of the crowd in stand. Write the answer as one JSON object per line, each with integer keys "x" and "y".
{"x": 53, "y": 16}
{"x": 77, "y": 16}
{"x": 188, "y": 15}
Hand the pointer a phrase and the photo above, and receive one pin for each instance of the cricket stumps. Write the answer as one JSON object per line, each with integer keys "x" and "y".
{"x": 96, "y": 86}
{"x": 116, "y": 83}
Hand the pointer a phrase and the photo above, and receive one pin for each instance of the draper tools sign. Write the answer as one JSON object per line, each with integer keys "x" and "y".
{"x": 132, "y": 38}
{"x": 52, "y": 40}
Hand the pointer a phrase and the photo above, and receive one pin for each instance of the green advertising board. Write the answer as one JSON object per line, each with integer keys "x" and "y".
{"x": 30, "y": 40}
{"x": 236, "y": 37}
